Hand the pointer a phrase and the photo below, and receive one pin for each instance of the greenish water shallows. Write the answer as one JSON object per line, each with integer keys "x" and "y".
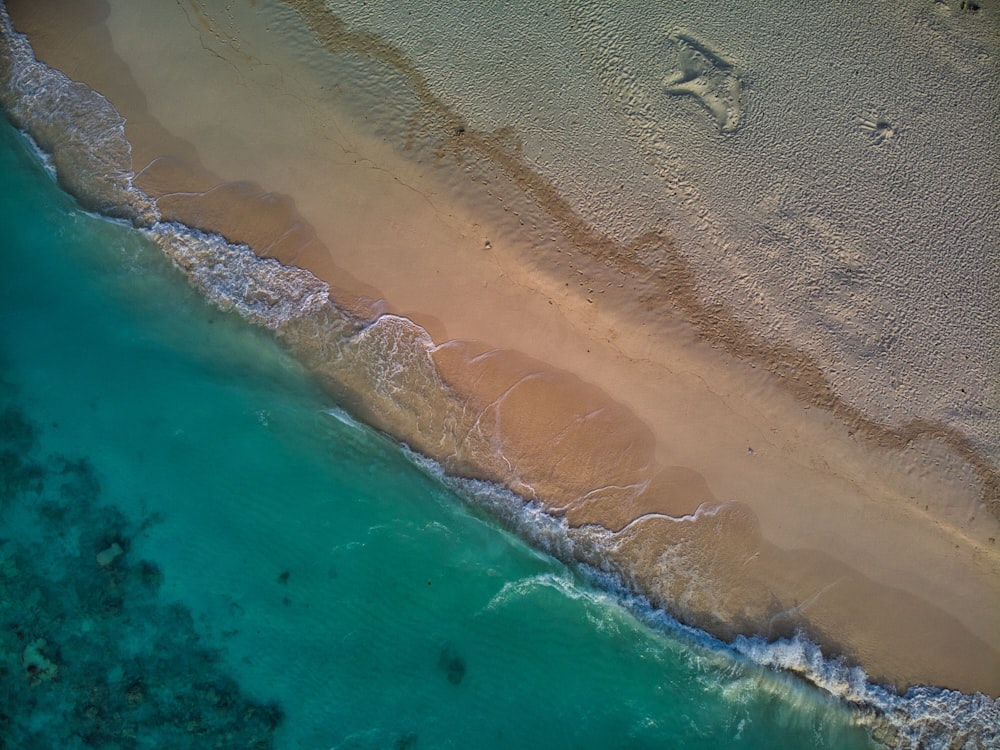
{"x": 283, "y": 578}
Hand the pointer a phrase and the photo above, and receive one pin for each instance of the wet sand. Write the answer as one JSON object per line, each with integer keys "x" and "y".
{"x": 606, "y": 393}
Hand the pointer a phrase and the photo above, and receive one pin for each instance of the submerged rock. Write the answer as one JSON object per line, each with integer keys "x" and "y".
{"x": 452, "y": 663}
{"x": 36, "y": 666}
{"x": 107, "y": 556}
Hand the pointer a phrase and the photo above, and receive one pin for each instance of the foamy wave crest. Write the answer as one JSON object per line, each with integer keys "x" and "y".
{"x": 382, "y": 369}
{"x": 527, "y": 519}
{"x": 261, "y": 290}
{"x": 345, "y": 419}
{"x": 513, "y": 590}
{"x": 79, "y": 128}
{"x": 397, "y": 349}
{"x": 923, "y": 717}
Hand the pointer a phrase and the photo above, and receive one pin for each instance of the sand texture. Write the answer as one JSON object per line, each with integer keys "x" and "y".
{"x": 722, "y": 300}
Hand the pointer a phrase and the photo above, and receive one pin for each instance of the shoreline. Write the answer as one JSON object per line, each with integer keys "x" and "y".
{"x": 634, "y": 361}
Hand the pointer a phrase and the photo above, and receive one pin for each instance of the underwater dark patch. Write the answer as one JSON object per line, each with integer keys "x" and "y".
{"x": 452, "y": 663}
{"x": 89, "y": 654}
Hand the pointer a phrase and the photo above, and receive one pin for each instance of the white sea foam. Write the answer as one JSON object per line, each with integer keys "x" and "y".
{"x": 400, "y": 348}
{"x": 345, "y": 419}
{"x": 81, "y": 131}
{"x": 43, "y": 156}
{"x": 515, "y": 590}
{"x": 705, "y": 510}
{"x": 262, "y": 290}
{"x": 923, "y": 717}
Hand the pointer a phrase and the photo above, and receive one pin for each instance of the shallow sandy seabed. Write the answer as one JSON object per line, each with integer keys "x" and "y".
{"x": 693, "y": 453}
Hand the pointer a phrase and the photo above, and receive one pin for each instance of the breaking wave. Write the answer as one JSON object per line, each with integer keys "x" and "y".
{"x": 79, "y": 129}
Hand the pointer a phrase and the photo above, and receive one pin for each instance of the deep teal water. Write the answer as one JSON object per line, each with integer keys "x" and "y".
{"x": 285, "y": 577}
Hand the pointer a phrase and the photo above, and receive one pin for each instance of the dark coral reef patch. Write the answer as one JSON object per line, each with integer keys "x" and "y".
{"x": 89, "y": 654}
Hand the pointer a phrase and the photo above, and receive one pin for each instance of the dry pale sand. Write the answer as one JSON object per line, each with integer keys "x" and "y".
{"x": 607, "y": 393}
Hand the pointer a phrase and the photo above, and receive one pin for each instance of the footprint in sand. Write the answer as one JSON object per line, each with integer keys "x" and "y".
{"x": 710, "y": 78}
{"x": 880, "y": 130}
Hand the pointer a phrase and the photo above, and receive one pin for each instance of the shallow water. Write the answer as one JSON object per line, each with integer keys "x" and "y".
{"x": 284, "y": 572}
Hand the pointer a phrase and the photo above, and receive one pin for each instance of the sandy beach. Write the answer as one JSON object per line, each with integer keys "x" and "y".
{"x": 713, "y": 468}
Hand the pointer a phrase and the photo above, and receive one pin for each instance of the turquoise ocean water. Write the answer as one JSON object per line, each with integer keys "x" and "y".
{"x": 195, "y": 552}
